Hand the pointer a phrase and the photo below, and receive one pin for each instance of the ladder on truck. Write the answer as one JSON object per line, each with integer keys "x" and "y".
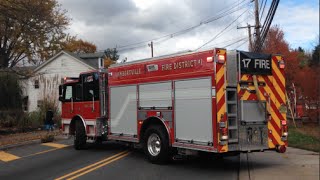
{"x": 232, "y": 101}
{"x": 232, "y": 113}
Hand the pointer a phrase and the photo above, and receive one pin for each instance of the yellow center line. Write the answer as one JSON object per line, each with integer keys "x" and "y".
{"x": 99, "y": 166}
{"x": 92, "y": 165}
{"x": 42, "y": 152}
{"x": 55, "y": 145}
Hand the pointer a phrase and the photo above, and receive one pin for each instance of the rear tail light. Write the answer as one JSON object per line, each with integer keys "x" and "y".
{"x": 284, "y": 129}
{"x": 283, "y": 122}
{"x": 223, "y": 130}
{"x": 281, "y": 64}
{"x": 224, "y": 134}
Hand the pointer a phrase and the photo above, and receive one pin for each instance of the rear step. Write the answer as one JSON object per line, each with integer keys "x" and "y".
{"x": 232, "y": 112}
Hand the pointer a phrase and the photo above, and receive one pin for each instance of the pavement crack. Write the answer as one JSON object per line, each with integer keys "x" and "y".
{"x": 248, "y": 165}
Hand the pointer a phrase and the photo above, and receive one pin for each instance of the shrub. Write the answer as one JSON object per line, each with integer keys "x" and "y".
{"x": 11, "y": 91}
{"x": 10, "y": 99}
{"x": 10, "y": 118}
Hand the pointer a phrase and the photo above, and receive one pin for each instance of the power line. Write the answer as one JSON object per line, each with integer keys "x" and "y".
{"x": 267, "y": 24}
{"x": 226, "y": 32}
{"x": 264, "y": 6}
{"x": 234, "y": 40}
{"x": 209, "y": 20}
{"x": 261, "y": 4}
{"x": 233, "y": 43}
{"x": 212, "y": 39}
{"x": 242, "y": 44}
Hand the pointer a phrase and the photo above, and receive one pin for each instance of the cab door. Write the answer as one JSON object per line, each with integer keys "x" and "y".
{"x": 88, "y": 107}
{"x": 68, "y": 100}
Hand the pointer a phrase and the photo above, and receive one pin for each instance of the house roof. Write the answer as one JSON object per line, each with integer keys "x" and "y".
{"x": 88, "y": 59}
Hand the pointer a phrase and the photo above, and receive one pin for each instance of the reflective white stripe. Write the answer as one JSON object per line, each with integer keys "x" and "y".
{"x": 224, "y": 137}
{"x": 88, "y": 121}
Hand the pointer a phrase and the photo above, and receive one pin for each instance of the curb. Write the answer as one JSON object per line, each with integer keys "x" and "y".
{"x": 9, "y": 146}
{"x": 35, "y": 141}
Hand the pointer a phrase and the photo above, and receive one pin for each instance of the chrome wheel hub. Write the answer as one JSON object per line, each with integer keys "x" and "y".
{"x": 154, "y": 144}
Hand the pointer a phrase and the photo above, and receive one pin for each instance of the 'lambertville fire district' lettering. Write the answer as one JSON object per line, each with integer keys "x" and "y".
{"x": 129, "y": 72}
{"x": 181, "y": 65}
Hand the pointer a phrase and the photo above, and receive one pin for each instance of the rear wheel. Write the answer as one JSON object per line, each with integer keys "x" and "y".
{"x": 156, "y": 145}
{"x": 80, "y": 137}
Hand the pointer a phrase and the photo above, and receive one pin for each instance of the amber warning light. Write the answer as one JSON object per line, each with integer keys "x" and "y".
{"x": 281, "y": 64}
{"x": 220, "y": 58}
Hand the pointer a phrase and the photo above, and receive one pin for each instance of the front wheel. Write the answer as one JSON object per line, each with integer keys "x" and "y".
{"x": 80, "y": 137}
{"x": 156, "y": 145}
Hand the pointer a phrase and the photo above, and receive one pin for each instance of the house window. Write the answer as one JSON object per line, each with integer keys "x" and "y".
{"x": 36, "y": 84}
{"x": 39, "y": 103}
{"x": 25, "y": 103}
{"x": 62, "y": 62}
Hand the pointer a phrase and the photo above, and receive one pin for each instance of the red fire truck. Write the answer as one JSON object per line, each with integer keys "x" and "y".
{"x": 214, "y": 101}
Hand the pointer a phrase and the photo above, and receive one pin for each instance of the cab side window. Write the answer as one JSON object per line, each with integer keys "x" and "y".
{"x": 90, "y": 87}
{"x": 68, "y": 93}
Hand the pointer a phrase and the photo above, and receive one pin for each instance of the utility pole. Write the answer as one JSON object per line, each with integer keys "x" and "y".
{"x": 257, "y": 26}
{"x": 294, "y": 100}
{"x": 249, "y": 34}
{"x": 250, "y": 39}
{"x": 151, "y": 45}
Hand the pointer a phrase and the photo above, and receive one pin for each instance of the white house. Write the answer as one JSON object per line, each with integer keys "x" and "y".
{"x": 49, "y": 75}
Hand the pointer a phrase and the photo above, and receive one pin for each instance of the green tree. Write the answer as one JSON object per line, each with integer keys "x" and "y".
{"x": 112, "y": 54}
{"x": 303, "y": 57}
{"x": 111, "y": 57}
{"x": 300, "y": 49}
{"x": 30, "y": 29}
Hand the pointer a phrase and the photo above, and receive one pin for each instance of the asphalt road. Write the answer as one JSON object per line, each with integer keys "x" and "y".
{"x": 59, "y": 160}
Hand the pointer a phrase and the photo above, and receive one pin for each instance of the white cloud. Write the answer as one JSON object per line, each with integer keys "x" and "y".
{"x": 114, "y": 23}
{"x": 300, "y": 23}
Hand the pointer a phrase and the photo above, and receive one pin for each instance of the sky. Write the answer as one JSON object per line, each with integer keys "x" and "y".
{"x": 130, "y": 25}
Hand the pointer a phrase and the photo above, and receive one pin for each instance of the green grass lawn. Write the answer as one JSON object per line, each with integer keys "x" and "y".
{"x": 305, "y": 138}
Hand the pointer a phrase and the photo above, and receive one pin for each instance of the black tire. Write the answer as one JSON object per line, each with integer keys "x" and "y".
{"x": 163, "y": 153}
{"x": 80, "y": 137}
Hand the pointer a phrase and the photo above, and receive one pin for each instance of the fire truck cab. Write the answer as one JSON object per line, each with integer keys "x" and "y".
{"x": 213, "y": 101}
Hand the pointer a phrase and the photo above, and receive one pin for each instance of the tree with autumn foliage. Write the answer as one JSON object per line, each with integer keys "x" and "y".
{"x": 30, "y": 29}
{"x": 300, "y": 68}
{"x": 72, "y": 44}
{"x": 111, "y": 57}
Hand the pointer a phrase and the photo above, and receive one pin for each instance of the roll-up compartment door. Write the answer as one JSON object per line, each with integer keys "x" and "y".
{"x": 123, "y": 110}
{"x": 193, "y": 110}
{"x": 155, "y": 95}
